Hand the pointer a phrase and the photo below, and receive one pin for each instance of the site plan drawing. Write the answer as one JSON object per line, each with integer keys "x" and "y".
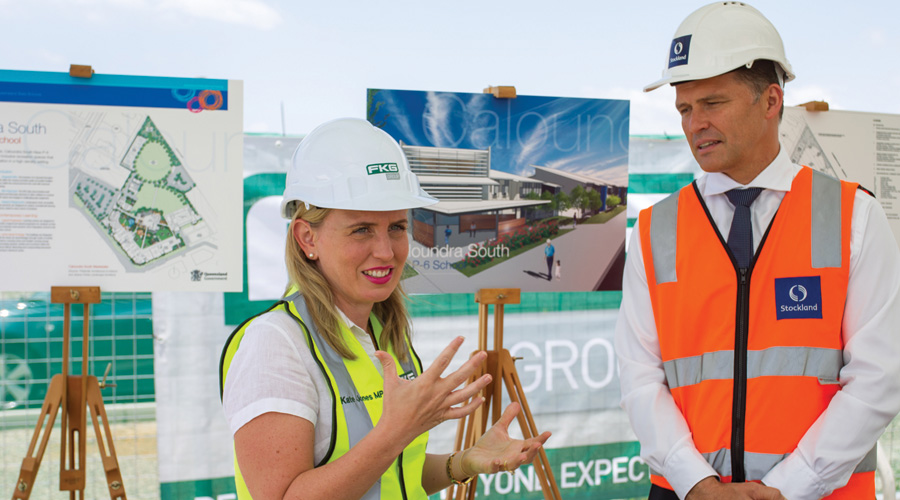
{"x": 855, "y": 146}
{"x": 126, "y": 183}
{"x": 148, "y": 215}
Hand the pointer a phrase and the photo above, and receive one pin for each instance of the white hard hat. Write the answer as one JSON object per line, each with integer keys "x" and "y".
{"x": 719, "y": 38}
{"x": 350, "y": 164}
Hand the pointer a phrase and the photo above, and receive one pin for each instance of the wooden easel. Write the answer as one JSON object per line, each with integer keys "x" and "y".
{"x": 501, "y": 366}
{"x": 73, "y": 395}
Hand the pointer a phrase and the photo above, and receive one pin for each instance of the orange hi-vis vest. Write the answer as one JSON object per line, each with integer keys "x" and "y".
{"x": 752, "y": 356}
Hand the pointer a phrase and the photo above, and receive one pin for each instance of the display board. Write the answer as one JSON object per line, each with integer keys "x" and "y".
{"x": 124, "y": 182}
{"x": 849, "y": 145}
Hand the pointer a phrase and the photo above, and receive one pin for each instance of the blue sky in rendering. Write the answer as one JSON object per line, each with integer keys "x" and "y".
{"x": 586, "y": 136}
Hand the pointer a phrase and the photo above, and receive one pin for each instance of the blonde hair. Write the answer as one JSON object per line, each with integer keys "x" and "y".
{"x": 304, "y": 275}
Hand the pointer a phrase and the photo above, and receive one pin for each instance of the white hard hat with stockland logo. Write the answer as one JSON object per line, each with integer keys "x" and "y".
{"x": 350, "y": 164}
{"x": 719, "y": 38}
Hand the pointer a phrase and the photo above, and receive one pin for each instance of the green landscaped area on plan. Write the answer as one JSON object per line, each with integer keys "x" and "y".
{"x": 161, "y": 199}
{"x": 153, "y": 162}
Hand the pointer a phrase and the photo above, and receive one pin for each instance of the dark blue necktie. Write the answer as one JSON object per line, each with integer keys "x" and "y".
{"x": 740, "y": 236}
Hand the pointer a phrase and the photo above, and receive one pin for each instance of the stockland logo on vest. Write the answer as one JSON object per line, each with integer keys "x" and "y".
{"x": 799, "y": 297}
{"x": 678, "y": 54}
{"x": 391, "y": 170}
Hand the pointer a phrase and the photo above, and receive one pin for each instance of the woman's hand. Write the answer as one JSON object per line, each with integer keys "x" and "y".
{"x": 495, "y": 451}
{"x": 412, "y": 407}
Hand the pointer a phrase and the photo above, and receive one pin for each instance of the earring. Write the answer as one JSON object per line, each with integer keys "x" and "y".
{"x": 310, "y": 256}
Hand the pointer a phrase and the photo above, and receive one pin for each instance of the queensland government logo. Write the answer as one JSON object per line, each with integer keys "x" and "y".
{"x": 799, "y": 297}
{"x": 198, "y": 275}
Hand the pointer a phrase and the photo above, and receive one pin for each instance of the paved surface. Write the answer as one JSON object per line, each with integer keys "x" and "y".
{"x": 586, "y": 253}
{"x": 135, "y": 444}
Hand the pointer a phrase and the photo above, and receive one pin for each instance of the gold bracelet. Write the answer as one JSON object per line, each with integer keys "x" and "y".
{"x": 450, "y": 471}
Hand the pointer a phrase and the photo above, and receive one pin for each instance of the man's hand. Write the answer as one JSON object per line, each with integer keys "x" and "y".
{"x": 711, "y": 489}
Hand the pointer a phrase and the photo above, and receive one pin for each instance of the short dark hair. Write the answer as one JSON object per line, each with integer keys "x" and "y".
{"x": 759, "y": 76}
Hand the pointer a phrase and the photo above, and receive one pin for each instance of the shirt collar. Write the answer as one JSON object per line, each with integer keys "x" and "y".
{"x": 777, "y": 176}
{"x": 358, "y": 330}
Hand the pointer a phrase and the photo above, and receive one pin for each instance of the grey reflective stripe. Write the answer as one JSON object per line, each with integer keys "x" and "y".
{"x": 757, "y": 465}
{"x": 663, "y": 237}
{"x": 356, "y": 416}
{"x": 407, "y": 365}
{"x": 785, "y": 361}
{"x": 826, "y": 221}
{"x": 357, "y": 420}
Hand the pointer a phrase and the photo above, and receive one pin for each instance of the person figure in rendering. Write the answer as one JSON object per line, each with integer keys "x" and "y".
{"x": 549, "y": 251}
{"x": 557, "y": 271}
{"x": 472, "y": 229}
{"x": 757, "y": 336}
{"x": 447, "y": 233}
{"x": 325, "y": 395}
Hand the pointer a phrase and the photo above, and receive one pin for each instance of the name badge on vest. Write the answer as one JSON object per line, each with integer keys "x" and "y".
{"x": 798, "y": 298}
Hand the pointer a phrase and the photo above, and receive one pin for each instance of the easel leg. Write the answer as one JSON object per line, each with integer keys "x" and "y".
{"x": 526, "y": 423}
{"x": 71, "y": 470}
{"x": 32, "y": 462}
{"x": 104, "y": 440}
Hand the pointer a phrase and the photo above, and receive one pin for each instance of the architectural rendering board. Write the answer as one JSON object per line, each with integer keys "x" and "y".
{"x": 127, "y": 183}
{"x": 532, "y": 189}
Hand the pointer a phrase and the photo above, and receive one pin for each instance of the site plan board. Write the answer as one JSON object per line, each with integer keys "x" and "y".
{"x": 127, "y": 183}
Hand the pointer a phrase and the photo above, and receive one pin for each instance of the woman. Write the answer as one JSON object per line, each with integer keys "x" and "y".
{"x": 325, "y": 396}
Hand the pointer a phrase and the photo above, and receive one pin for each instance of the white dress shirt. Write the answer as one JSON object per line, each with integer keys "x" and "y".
{"x": 870, "y": 394}
{"x": 274, "y": 371}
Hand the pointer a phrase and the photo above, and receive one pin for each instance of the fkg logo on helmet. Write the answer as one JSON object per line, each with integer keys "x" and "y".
{"x": 391, "y": 170}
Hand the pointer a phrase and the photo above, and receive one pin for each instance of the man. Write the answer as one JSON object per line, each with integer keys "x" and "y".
{"x": 764, "y": 367}
{"x": 549, "y": 252}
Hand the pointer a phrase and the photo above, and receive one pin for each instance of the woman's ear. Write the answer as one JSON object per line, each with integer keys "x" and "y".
{"x": 305, "y": 236}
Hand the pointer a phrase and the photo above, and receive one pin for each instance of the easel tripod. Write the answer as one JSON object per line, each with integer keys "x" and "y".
{"x": 72, "y": 396}
{"x": 502, "y": 368}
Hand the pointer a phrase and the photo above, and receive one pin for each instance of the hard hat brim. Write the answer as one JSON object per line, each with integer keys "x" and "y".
{"x": 384, "y": 203}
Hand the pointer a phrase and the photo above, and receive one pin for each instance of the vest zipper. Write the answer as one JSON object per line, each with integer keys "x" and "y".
{"x": 739, "y": 396}
{"x": 741, "y": 334}
{"x": 400, "y": 475}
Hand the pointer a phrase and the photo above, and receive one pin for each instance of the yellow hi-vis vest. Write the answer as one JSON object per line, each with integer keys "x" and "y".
{"x": 357, "y": 389}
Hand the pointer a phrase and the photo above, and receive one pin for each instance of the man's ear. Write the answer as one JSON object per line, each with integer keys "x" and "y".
{"x": 774, "y": 96}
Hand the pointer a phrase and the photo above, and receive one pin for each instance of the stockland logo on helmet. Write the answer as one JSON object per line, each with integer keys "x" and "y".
{"x": 799, "y": 297}
{"x": 678, "y": 54}
{"x": 391, "y": 170}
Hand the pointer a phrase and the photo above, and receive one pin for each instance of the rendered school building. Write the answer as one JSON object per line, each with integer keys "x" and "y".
{"x": 478, "y": 203}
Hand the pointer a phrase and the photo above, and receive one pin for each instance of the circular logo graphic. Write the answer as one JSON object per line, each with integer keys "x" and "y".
{"x": 797, "y": 293}
{"x": 678, "y": 48}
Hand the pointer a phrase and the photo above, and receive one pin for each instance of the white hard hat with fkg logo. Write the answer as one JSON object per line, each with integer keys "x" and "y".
{"x": 350, "y": 164}
{"x": 719, "y": 38}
